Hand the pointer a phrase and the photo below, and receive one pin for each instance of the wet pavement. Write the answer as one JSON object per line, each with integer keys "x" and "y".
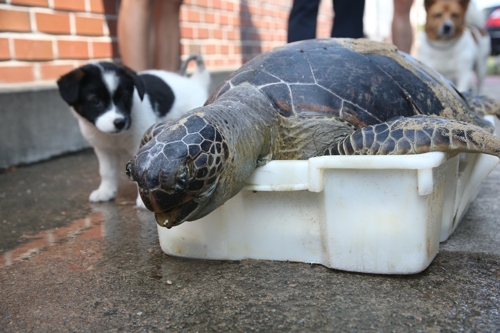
{"x": 70, "y": 266}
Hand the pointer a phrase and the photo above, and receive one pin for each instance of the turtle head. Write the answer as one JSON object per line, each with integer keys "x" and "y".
{"x": 178, "y": 170}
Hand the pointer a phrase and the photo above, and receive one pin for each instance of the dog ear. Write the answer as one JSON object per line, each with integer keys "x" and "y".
{"x": 464, "y": 4}
{"x": 428, "y": 4}
{"x": 138, "y": 83}
{"x": 69, "y": 85}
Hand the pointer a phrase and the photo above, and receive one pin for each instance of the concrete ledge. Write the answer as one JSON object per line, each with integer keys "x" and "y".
{"x": 36, "y": 123}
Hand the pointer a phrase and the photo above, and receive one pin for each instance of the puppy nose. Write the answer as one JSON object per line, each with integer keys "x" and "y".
{"x": 446, "y": 28}
{"x": 119, "y": 123}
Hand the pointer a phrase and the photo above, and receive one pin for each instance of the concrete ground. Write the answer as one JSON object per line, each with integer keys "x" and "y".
{"x": 70, "y": 266}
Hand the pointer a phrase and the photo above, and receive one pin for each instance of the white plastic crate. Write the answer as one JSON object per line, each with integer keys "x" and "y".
{"x": 372, "y": 214}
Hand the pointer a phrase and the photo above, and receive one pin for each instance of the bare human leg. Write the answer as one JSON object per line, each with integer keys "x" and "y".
{"x": 134, "y": 27}
{"x": 402, "y": 33}
{"x": 167, "y": 35}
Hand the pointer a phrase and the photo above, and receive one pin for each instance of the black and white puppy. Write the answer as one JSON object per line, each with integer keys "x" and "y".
{"x": 114, "y": 106}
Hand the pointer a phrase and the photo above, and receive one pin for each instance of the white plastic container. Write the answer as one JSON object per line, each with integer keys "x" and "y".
{"x": 371, "y": 214}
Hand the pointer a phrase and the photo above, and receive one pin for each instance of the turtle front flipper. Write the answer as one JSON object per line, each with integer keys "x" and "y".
{"x": 483, "y": 105}
{"x": 417, "y": 135}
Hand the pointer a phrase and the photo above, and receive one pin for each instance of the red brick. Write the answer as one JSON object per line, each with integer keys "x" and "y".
{"x": 229, "y": 6}
{"x": 4, "y": 49}
{"x": 14, "y": 74}
{"x": 216, "y": 4}
{"x": 112, "y": 26}
{"x": 202, "y": 33}
{"x": 209, "y": 63}
{"x": 71, "y": 5}
{"x": 32, "y": 49}
{"x": 53, "y": 23}
{"x": 218, "y": 34}
{"x": 235, "y": 21}
{"x": 37, "y": 3}
{"x": 73, "y": 49}
{"x": 89, "y": 26}
{"x": 232, "y": 34}
{"x": 187, "y": 32}
{"x": 202, "y": 3}
{"x": 223, "y": 19}
{"x": 14, "y": 20}
{"x": 224, "y": 49}
{"x": 254, "y": 10}
{"x": 234, "y": 62}
{"x": 103, "y": 6}
{"x": 210, "y": 49}
{"x": 209, "y": 18}
{"x": 105, "y": 50}
{"x": 53, "y": 72}
{"x": 193, "y": 15}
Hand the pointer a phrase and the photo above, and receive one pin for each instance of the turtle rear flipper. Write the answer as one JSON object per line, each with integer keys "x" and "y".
{"x": 417, "y": 135}
{"x": 483, "y": 105}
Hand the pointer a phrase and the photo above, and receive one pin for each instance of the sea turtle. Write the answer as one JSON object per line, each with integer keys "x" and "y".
{"x": 305, "y": 99}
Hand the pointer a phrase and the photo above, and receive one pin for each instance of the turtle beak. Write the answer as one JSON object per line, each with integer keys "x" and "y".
{"x": 191, "y": 210}
{"x": 177, "y": 215}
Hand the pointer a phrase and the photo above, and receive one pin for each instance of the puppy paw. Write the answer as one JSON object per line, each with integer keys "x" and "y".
{"x": 139, "y": 204}
{"x": 100, "y": 195}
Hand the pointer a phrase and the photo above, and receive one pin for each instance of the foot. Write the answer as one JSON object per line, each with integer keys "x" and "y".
{"x": 102, "y": 194}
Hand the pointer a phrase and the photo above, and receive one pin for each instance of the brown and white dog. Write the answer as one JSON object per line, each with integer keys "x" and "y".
{"x": 455, "y": 43}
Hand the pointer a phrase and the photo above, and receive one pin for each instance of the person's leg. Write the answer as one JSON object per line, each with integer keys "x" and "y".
{"x": 302, "y": 20}
{"x": 167, "y": 35}
{"x": 402, "y": 33}
{"x": 134, "y": 26}
{"x": 348, "y": 19}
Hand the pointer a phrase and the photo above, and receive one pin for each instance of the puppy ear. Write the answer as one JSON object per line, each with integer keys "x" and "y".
{"x": 138, "y": 83}
{"x": 464, "y": 4}
{"x": 428, "y": 4}
{"x": 69, "y": 85}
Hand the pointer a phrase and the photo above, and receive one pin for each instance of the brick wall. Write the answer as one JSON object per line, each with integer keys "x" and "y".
{"x": 41, "y": 39}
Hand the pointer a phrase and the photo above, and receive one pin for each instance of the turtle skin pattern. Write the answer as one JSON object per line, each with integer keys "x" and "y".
{"x": 200, "y": 143}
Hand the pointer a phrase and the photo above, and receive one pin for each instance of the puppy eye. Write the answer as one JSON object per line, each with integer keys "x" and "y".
{"x": 438, "y": 15}
{"x": 454, "y": 15}
{"x": 95, "y": 101}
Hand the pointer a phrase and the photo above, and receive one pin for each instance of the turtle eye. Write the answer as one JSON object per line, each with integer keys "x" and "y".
{"x": 181, "y": 183}
{"x": 128, "y": 170}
